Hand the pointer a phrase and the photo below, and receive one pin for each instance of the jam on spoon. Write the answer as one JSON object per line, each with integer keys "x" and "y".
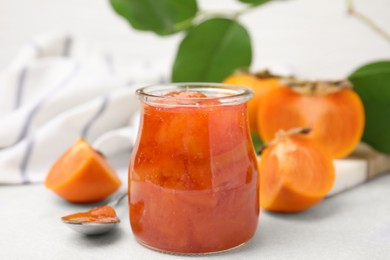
{"x": 97, "y": 220}
{"x": 103, "y": 214}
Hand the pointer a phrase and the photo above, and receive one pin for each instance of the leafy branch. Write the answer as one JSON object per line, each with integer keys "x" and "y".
{"x": 371, "y": 82}
{"x": 365, "y": 19}
{"x": 214, "y": 45}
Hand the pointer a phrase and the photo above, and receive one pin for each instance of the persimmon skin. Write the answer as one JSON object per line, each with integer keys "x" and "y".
{"x": 260, "y": 86}
{"x": 336, "y": 119}
{"x": 81, "y": 175}
{"x": 295, "y": 174}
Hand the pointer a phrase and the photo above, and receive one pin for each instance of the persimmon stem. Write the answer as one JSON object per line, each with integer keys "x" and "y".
{"x": 294, "y": 131}
{"x": 363, "y": 18}
{"x": 283, "y": 133}
{"x": 265, "y": 74}
{"x": 100, "y": 153}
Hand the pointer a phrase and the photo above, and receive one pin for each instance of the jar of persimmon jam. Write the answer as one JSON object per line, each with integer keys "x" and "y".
{"x": 193, "y": 179}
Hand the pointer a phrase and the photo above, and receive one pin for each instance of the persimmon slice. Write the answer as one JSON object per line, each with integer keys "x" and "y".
{"x": 295, "y": 174}
{"x": 82, "y": 175}
{"x": 337, "y": 118}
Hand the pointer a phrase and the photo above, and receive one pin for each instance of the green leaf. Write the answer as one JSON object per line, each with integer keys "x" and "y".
{"x": 255, "y": 2}
{"x": 211, "y": 51}
{"x": 257, "y": 142}
{"x": 163, "y": 17}
{"x": 372, "y": 83}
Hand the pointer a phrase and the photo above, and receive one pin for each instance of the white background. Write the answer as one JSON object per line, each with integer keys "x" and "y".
{"x": 315, "y": 38}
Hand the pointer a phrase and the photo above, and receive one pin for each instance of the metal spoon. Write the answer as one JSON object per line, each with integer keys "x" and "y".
{"x": 96, "y": 228}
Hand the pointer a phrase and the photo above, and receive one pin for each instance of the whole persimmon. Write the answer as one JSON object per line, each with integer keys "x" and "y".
{"x": 332, "y": 110}
{"x": 295, "y": 173}
{"x": 261, "y": 83}
{"x": 82, "y": 175}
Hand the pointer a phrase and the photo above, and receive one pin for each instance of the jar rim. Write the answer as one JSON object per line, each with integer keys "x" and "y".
{"x": 226, "y": 94}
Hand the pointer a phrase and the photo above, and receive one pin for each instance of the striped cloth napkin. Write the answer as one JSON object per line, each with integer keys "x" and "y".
{"x": 58, "y": 89}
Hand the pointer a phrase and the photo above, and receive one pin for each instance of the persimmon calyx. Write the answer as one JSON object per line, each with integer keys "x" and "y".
{"x": 293, "y": 131}
{"x": 284, "y": 133}
{"x": 265, "y": 74}
{"x": 320, "y": 87}
{"x": 262, "y": 74}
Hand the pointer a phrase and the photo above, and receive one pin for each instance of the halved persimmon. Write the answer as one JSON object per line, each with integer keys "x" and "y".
{"x": 261, "y": 83}
{"x": 82, "y": 175}
{"x": 332, "y": 109}
{"x": 295, "y": 173}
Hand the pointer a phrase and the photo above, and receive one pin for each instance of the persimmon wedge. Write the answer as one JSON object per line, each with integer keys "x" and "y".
{"x": 82, "y": 175}
{"x": 336, "y": 115}
{"x": 295, "y": 174}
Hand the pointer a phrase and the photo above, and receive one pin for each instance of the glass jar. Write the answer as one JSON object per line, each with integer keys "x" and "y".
{"x": 193, "y": 179}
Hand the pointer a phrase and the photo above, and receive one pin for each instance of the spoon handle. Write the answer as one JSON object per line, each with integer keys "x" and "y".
{"x": 118, "y": 197}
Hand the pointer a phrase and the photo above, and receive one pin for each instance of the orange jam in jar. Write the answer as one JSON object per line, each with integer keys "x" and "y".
{"x": 193, "y": 179}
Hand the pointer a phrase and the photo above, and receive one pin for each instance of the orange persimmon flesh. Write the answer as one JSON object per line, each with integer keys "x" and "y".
{"x": 337, "y": 119}
{"x": 295, "y": 174}
{"x": 260, "y": 86}
{"x": 81, "y": 175}
{"x": 103, "y": 214}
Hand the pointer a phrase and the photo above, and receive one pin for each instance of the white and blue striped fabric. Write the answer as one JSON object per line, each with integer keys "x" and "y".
{"x": 56, "y": 90}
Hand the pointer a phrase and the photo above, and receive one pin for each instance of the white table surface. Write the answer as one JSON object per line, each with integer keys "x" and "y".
{"x": 352, "y": 225}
